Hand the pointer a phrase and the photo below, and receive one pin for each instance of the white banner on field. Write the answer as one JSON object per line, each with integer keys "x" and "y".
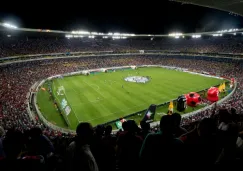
{"x": 67, "y": 110}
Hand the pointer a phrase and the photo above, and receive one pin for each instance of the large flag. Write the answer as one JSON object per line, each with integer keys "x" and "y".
{"x": 171, "y": 107}
{"x": 223, "y": 86}
{"x": 149, "y": 113}
{"x": 220, "y": 88}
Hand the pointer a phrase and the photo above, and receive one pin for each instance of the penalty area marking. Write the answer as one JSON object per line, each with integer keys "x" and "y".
{"x": 98, "y": 87}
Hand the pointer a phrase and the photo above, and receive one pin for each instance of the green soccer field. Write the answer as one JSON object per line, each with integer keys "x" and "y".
{"x": 102, "y": 97}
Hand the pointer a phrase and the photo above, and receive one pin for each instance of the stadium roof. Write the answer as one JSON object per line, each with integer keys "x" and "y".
{"x": 5, "y": 27}
{"x": 234, "y": 6}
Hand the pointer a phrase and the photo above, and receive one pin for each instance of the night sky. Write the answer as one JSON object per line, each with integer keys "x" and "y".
{"x": 160, "y": 17}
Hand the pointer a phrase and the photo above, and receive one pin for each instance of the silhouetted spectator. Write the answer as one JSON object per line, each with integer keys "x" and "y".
{"x": 178, "y": 130}
{"x": 13, "y": 144}
{"x": 79, "y": 155}
{"x": 39, "y": 144}
{"x": 230, "y": 154}
{"x": 97, "y": 146}
{"x": 108, "y": 150}
{"x": 145, "y": 129}
{"x": 202, "y": 144}
{"x": 224, "y": 119}
{"x": 128, "y": 147}
{"x": 162, "y": 149}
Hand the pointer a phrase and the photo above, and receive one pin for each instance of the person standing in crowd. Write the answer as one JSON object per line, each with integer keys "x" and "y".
{"x": 128, "y": 146}
{"x": 162, "y": 148}
{"x": 79, "y": 155}
{"x": 178, "y": 129}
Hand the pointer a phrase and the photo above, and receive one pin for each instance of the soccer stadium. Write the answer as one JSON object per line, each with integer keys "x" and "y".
{"x": 111, "y": 101}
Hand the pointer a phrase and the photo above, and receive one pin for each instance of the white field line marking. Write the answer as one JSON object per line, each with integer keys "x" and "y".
{"x": 98, "y": 87}
{"x": 59, "y": 102}
{"x": 94, "y": 88}
{"x": 90, "y": 101}
{"x": 70, "y": 104}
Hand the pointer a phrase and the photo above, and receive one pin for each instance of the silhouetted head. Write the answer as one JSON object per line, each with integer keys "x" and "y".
{"x": 125, "y": 126}
{"x": 35, "y": 132}
{"x": 167, "y": 124}
{"x": 206, "y": 127}
{"x": 99, "y": 130}
{"x": 224, "y": 116}
{"x": 84, "y": 131}
{"x": 108, "y": 130}
{"x": 176, "y": 118}
{"x": 145, "y": 126}
{"x": 132, "y": 126}
{"x": 13, "y": 143}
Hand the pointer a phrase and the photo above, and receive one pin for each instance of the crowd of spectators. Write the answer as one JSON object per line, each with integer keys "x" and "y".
{"x": 14, "y": 46}
{"x": 209, "y": 137}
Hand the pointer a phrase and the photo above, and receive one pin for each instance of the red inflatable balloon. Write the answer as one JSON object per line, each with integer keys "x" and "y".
{"x": 193, "y": 99}
{"x": 213, "y": 94}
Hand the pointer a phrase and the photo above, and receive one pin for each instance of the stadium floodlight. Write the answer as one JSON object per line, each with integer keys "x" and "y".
{"x": 217, "y": 35}
{"x": 80, "y": 32}
{"x": 117, "y": 34}
{"x": 175, "y": 35}
{"x": 94, "y": 33}
{"x": 196, "y": 36}
{"x": 127, "y": 34}
{"x": 10, "y": 26}
{"x": 110, "y": 33}
{"x": 68, "y": 36}
{"x": 91, "y": 37}
{"x": 105, "y": 37}
{"x": 116, "y": 37}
